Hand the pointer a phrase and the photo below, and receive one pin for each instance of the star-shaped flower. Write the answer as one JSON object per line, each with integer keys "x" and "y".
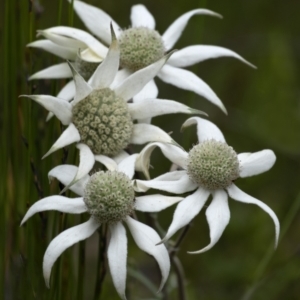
{"x": 211, "y": 167}
{"x": 100, "y": 116}
{"x": 140, "y": 46}
{"x": 109, "y": 198}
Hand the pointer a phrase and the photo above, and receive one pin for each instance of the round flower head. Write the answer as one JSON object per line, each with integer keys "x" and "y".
{"x": 100, "y": 117}
{"x": 140, "y": 45}
{"x": 211, "y": 167}
{"x": 109, "y": 198}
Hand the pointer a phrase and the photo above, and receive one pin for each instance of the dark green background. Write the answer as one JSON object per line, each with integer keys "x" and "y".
{"x": 263, "y": 112}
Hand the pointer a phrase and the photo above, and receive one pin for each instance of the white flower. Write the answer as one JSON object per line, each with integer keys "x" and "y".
{"x": 211, "y": 167}
{"x": 100, "y": 117}
{"x": 109, "y": 198}
{"x": 141, "y": 45}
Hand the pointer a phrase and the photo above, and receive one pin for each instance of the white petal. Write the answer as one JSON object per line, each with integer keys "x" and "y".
{"x": 144, "y": 133}
{"x": 59, "y": 203}
{"x": 89, "y": 55}
{"x": 87, "y": 160}
{"x": 150, "y": 90}
{"x": 117, "y": 257}
{"x": 136, "y": 81}
{"x": 109, "y": 163}
{"x": 63, "y": 52}
{"x": 173, "y": 33}
{"x": 61, "y": 108}
{"x": 65, "y": 174}
{"x": 96, "y": 20}
{"x": 107, "y": 70}
{"x": 54, "y": 72}
{"x": 173, "y": 153}
{"x": 83, "y": 89}
{"x": 255, "y": 163}
{"x": 146, "y": 238}
{"x": 187, "y": 80}
{"x": 183, "y": 185}
{"x": 61, "y": 40}
{"x": 65, "y": 240}
{"x": 68, "y": 91}
{"x": 237, "y": 194}
{"x": 83, "y": 38}
{"x": 120, "y": 77}
{"x": 127, "y": 166}
{"x": 206, "y": 130}
{"x": 155, "y": 203}
{"x": 69, "y": 136}
{"x": 186, "y": 211}
{"x": 141, "y": 17}
{"x": 218, "y": 216}
{"x": 156, "y": 107}
{"x": 120, "y": 156}
{"x": 194, "y": 54}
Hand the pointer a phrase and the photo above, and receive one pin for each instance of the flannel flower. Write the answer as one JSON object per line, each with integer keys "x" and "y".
{"x": 101, "y": 119}
{"x": 109, "y": 198}
{"x": 211, "y": 167}
{"x": 141, "y": 45}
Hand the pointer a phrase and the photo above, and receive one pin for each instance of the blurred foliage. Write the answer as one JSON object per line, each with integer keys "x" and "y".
{"x": 263, "y": 112}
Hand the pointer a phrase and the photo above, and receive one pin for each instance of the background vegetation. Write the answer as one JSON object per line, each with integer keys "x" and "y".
{"x": 264, "y": 112}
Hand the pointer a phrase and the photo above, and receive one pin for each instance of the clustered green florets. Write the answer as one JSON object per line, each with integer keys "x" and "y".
{"x": 109, "y": 196}
{"x": 213, "y": 165}
{"x": 85, "y": 68}
{"x": 140, "y": 47}
{"x": 103, "y": 121}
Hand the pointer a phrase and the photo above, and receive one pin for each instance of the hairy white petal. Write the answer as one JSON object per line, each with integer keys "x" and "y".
{"x": 96, "y": 20}
{"x": 127, "y": 166}
{"x": 58, "y": 71}
{"x": 117, "y": 257}
{"x": 65, "y": 240}
{"x": 186, "y": 211}
{"x": 173, "y": 153}
{"x": 86, "y": 163}
{"x": 120, "y": 77}
{"x": 238, "y": 195}
{"x": 187, "y": 80}
{"x": 145, "y": 133}
{"x": 109, "y": 163}
{"x": 74, "y": 38}
{"x": 107, "y": 70}
{"x": 174, "y": 31}
{"x": 156, "y": 107}
{"x": 65, "y": 174}
{"x": 120, "y": 156}
{"x": 218, "y": 216}
{"x": 191, "y": 55}
{"x": 68, "y": 91}
{"x": 63, "y": 52}
{"x": 136, "y": 81}
{"x": 182, "y": 185}
{"x": 146, "y": 238}
{"x": 155, "y": 203}
{"x": 83, "y": 89}
{"x": 59, "y": 203}
{"x": 206, "y": 130}
{"x": 69, "y": 136}
{"x": 141, "y": 17}
{"x": 255, "y": 163}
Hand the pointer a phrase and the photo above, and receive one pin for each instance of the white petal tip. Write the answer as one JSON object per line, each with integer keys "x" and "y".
{"x": 198, "y": 112}
{"x": 49, "y": 152}
{"x": 161, "y": 242}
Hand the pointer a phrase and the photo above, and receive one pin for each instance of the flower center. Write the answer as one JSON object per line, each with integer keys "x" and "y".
{"x": 85, "y": 68}
{"x": 140, "y": 47}
{"x": 213, "y": 165}
{"x": 103, "y": 122}
{"x": 109, "y": 196}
